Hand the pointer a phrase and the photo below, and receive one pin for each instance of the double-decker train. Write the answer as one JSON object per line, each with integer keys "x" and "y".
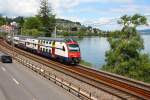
{"x": 62, "y": 49}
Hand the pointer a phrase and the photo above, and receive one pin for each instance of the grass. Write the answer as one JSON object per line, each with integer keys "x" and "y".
{"x": 85, "y": 63}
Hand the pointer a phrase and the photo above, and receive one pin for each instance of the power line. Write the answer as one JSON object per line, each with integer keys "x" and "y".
{"x": 109, "y": 22}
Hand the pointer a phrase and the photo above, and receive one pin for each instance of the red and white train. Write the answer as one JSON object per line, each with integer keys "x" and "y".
{"x": 62, "y": 49}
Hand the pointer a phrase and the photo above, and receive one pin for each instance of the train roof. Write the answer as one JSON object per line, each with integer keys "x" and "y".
{"x": 56, "y": 39}
{"x": 51, "y": 39}
{"x": 47, "y": 38}
{"x": 23, "y": 37}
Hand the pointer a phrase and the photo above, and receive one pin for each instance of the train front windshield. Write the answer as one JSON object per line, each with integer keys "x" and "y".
{"x": 73, "y": 48}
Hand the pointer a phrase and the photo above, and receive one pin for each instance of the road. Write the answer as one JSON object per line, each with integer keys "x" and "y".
{"x": 20, "y": 83}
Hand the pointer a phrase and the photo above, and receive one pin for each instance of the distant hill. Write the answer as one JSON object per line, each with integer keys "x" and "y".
{"x": 147, "y": 31}
{"x": 63, "y": 23}
{"x": 67, "y": 25}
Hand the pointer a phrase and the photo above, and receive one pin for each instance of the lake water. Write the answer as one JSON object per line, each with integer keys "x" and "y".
{"x": 93, "y": 49}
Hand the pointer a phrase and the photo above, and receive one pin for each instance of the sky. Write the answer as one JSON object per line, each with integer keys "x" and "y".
{"x": 102, "y": 14}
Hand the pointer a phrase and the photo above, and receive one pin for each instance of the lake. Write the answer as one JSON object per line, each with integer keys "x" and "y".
{"x": 93, "y": 49}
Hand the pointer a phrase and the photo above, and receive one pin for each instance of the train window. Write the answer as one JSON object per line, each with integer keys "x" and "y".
{"x": 46, "y": 50}
{"x": 73, "y": 47}
{"x": 43, "y": 49}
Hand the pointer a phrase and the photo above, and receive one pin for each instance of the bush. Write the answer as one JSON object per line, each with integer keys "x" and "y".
{"x": 32, "y": 32}
{"x": 125, "y": 56}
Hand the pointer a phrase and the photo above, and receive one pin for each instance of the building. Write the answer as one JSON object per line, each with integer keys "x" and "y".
{"x": 6, "y": 28}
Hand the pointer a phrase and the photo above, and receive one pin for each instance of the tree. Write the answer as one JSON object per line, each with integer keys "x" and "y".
{"x": 32, "y": 32}
{"x": 130, "y": 23}
{"x": 8, "y": 20}
{"x": 2, "y": 20}
{"x": 46, "y": 17}
{"x": 32, "y": 27}
{"x": 125, "y": 56}
{"x": 19, "y": 20}
{"x": 32, "y": 23}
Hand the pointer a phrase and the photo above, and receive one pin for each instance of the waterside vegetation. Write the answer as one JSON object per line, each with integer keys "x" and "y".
{"x": 125, "y": 56}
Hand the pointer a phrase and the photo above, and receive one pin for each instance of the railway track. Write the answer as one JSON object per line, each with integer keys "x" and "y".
{"x": 117, "y": 85}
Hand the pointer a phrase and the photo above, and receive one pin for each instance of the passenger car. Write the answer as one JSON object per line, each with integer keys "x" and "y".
{"x": 65, "y": 50}
{"x": 6, "y": 58}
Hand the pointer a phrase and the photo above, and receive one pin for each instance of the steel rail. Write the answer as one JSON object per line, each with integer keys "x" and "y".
{"x": 132, "y": 87}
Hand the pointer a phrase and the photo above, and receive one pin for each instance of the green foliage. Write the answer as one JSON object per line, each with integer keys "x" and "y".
{"x": 83, "y": 31}
{"x": 80, "y": 34}
{"x": 46, "y": 17}
{"x": 31, "y": 32}
{"x": 3, "y": 34}
{"x": 85, "y": 63}
{"x": 32, "y": 23}
{"x": 130, "y": 23}
{"x": 19, "y": 20}
{"x": 125, "y": 56}
{"x": 66, "y": 34}
{"x": 2, "y": 21}
{"x": 8, "y": 20}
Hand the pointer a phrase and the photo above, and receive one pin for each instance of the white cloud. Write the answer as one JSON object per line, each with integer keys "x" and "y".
{"x": 18, "y": 7}
{"x": 103, "y": 23}
{"x": 71, "y": 18}
{"x": 62, "y": 7}
{"x": 29, "y": 7}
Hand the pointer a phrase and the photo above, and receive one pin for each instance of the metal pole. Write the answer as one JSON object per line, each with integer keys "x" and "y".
{"x": 13, "y": 42}
{"x": 21, "y": 31}
{"x": 55, "y": 30}
{"x": 14, "y": 25}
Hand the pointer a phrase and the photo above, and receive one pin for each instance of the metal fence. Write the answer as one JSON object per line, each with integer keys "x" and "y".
{"x": 76, "y": 90}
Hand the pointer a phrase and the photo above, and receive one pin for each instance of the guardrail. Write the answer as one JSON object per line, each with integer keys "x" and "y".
{"x": 72, "y": 88}
{"x": 76, "y": 90}
{"x": 112, "y": 81}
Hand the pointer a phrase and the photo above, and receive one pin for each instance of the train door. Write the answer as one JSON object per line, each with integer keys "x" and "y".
{"x": 53, "y": 48}
{"x": 38, "y": 49}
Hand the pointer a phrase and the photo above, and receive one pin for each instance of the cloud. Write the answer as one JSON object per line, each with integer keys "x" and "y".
{"x": 75, "y": 11}
{"x": 131, "y": 9}
{"x": 30, "y": 7}
{"x": 63, "y": 5}
{"x": 18, "y": 7}
{"x": 111, "y": 23}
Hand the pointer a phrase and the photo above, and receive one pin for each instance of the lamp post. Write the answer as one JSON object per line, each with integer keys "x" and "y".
{"x": 14, "y": 25}
{"x": 55, "y": 31}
